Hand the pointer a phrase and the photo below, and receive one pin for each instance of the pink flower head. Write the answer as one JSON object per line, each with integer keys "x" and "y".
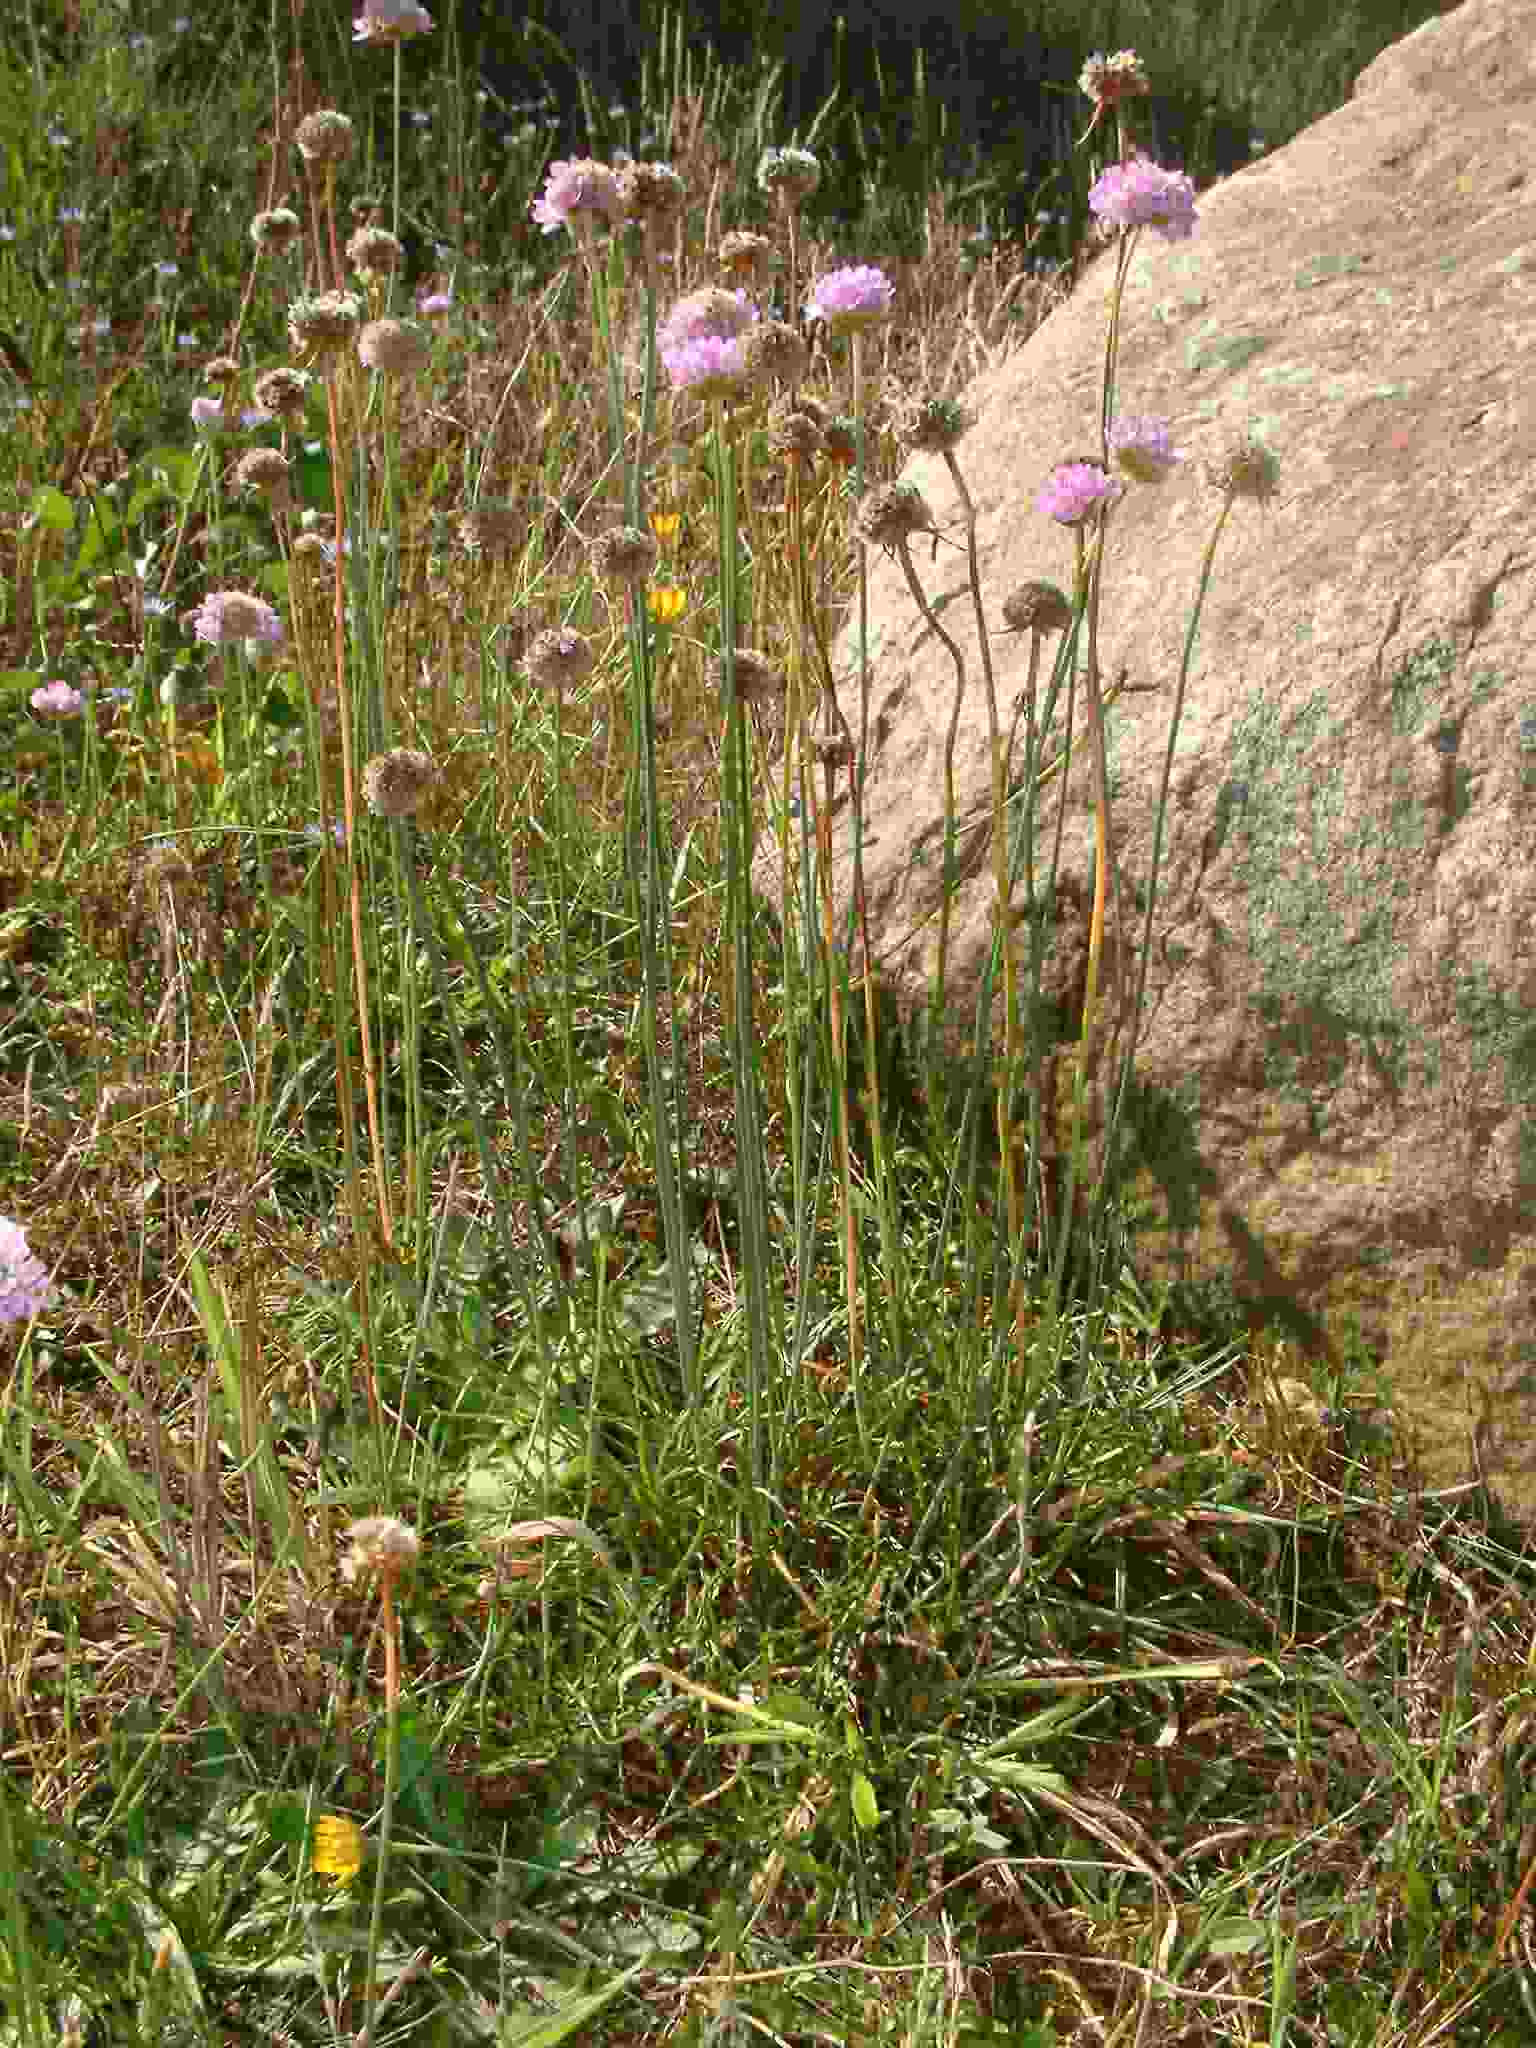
{"x": 1074, "y": 490}
{"x": 434, "y": 305}
{"x": 1141, "y": 448}
{"x": 851, "y": 298}
{"x": 712, "y": 311}
{"x": 226, "y": 615}
{"x": 1139, "y": 193}
{"x": 57, "y": 700}
{"x": 207, "y": 414}
{"x": 710, "y": 364}
{"x": 386, "y": 21}
{"x": 575, "y": 188}
{"x": 24, "y": 1289}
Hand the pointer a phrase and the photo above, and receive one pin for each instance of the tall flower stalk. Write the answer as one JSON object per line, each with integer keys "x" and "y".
{"x": 585, "y": 198}
{"x": 752, "y": 1191}
{"x": 848, "y": 301}
{"x": 385, "y": 1549}
{"x": 1129, "y": 195}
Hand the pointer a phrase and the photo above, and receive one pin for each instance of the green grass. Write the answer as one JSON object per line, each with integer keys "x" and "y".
{"x": 848, "y": 1608}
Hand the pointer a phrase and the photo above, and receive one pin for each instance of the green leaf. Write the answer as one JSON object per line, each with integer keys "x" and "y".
{"x": 866, "y": 1807}
{"x": 145, "y": 496}
{"x": 647, "y": 1305}
{"x": 50, "y": 508}
{"x": 312, "y": 474}
{"x": 546, "y": 2031}
{"x": 789, "y": 1706}
{"x": 1238, "y": 1937}
{"x": 287, "y": 1820}
{"x": 1321, "y": 268}
{"x": 179, "y": 467}
{"x": 101, "y": 530}
{"x": 500, "y": 1482}
{"x": 277, "y": 710}
{"x": 1225, "y": 352}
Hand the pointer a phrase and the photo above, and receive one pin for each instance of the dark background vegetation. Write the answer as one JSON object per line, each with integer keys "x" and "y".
{"x": 958, "y": 91}
{"x": 979, "y": 95}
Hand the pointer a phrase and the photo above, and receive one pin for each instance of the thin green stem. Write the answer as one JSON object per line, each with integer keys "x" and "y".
{"x": 394, "y": 216}
{"x": 1001, "y": 874}
{"x": 890, "y": 1237}
{"x": 1207, "y": 564}
{"x": 751, "y": 1148}
{"x": 387, "y": 1815}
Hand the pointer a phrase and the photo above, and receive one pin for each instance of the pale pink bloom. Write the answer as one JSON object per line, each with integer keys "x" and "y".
{"x": 855, "y": 297}
{"x": 58, "y": 700}
{"x": 226, "y": 615}
{"x": 1139, "y": 193}
{"x": 578, "y": 186}
{"x": 710, "y": 364}
{"x": 24, "y": 1289}
{"x": 1074, "y": 490}
{"x": 1141, "y": 448}
{"x": 712, "y": 310}
{"x": 207, "y": 414}
{"x": 386, "y": 21}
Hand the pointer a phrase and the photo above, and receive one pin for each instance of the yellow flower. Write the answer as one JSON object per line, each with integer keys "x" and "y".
{"x": 666, "y": 603}
{"x": 664, "y": 525}
{"x": 338, "y": 1848}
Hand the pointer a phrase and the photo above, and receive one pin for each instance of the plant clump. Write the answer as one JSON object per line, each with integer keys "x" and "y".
{"x": 325, "y": 138}
{"x": 374, "y": 252}
{"x": 397, "y": 348}
{"x": 321, "y": 325}
{"x": 1037, "y": 607}
{"x": 788, "y": 176}
{"x": 624, "y": 557}
{"x": 394, "y": 783}
{"x": 889, "y": 515}
{"x": 276, "y": 229}
{"x": 282, "y": 392}
{"x": 265, "y": 470}
{"x": 559, "y": 658}
{"x": 491, "y": 527}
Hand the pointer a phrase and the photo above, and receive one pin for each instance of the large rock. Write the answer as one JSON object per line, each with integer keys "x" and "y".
{"x": 1341, "y": 1003}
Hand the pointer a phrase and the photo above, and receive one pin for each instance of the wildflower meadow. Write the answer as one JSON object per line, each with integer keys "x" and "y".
{"x": 566, "y": 1473}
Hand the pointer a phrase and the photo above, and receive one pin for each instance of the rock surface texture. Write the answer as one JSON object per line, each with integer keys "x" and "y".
{"x": 1341, "y": 997}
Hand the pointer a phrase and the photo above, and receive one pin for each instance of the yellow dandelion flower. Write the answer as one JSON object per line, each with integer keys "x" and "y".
{"x": 665, "y": 525}
{"x": 338, "y": 1848}
{"x": 666, "y": 603}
